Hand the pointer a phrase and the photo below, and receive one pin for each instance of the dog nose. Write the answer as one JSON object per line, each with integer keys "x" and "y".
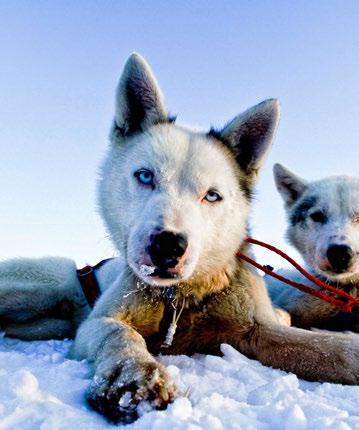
{"x": 166, "y": 248}
{"x": 339, "y": 257}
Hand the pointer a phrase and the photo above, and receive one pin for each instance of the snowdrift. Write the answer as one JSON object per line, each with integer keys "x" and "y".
{"x": 41, "y": 389}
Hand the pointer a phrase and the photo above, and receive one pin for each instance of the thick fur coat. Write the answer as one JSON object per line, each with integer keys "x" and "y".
{"x": 323, "y": 225}
{"x": 176, "y": 205}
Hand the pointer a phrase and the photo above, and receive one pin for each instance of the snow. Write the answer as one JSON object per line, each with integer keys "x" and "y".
{"x": 41, "y": 389}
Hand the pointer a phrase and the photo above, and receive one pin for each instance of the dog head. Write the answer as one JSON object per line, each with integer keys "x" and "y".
{"x": 175, "y": 201}
{"x": 323, "y": 221}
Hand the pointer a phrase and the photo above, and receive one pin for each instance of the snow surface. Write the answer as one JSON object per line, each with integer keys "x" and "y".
{"x": 41, "y": 389}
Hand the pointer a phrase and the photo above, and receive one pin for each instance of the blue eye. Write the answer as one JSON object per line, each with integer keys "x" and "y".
{"x": 212, "y": 196}
{"x": 144, "y": 176}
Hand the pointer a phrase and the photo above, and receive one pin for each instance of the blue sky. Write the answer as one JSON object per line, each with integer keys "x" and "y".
{"x": 60, "y": 65}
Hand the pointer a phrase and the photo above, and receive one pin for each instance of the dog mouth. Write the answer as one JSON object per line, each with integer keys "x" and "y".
{"x": 338, "y": 274}
{"x": 164, "y": 273}
{"x": 340, "y": 262}
{"x": 158, "y": 275}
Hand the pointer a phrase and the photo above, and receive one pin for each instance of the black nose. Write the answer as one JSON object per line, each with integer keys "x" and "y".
{"x": 166, "y": 248}
{"x": 339, "y": 257}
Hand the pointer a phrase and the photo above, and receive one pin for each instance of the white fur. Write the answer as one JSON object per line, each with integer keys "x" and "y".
{"x": 185, "y": 167}
{"x": 337, "y": 198}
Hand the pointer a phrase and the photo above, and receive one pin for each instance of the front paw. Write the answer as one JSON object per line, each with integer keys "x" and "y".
{"x": 117, "y": 394}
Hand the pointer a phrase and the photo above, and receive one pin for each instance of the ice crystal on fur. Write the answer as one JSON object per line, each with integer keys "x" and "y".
{"x": 146, "y": 270}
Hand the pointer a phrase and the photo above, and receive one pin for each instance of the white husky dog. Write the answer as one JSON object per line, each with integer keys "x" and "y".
{"x": 323, "y": 225}
{"x": 176, "y": 204}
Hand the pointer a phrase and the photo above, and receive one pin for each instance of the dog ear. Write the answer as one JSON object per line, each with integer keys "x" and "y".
{"x": 289, "y": 185}
{"x": 139, "y": 100}
{"x": 250, "y": 135}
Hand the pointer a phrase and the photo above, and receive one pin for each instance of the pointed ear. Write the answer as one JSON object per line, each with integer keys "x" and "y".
{"x": 250, "y": 135}
{"x": 289, "y": 185}
{"x": 139, "y": 101}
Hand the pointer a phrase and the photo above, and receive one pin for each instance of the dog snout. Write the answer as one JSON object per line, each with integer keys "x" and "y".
{"x": 166, "y": 248}
{"x": 339, "y": 257}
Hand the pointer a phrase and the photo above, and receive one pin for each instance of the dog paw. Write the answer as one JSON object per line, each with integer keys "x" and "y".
{"x": 283, "y": 317}
{"x": 117, "y": 396}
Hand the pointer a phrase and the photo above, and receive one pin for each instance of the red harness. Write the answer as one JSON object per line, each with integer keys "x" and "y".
{"x": 344, "y": 301}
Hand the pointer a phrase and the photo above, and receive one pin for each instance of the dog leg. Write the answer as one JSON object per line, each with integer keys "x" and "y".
{"x": 313, "y": 356}
{"x": 306, "y": 311}
{"x": 124, "y": 371}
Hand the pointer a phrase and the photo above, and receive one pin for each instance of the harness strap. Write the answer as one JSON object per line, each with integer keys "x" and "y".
{"x": 89, "y": 283}
{"x": 344, "y": 301}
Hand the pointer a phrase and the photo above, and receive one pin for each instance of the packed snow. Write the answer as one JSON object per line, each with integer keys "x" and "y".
{"x": 42, "y": 389}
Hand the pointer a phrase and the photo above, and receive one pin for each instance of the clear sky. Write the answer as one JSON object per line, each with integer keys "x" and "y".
{"x": 60, "y": 62}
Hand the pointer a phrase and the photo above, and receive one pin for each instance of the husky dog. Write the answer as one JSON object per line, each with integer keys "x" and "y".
{"x": 323, "y": 225}
{"x": 176, "y": 205}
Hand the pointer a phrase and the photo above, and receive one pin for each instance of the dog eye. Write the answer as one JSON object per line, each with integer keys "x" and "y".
{"x": 356, "y": 219}
{"x": 212, "y": 196}
{"x": 318, "y": 216}
{"x": 144, "y": 176}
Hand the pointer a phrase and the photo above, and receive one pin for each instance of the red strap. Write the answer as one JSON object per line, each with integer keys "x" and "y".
{"x": 345, "y": 302}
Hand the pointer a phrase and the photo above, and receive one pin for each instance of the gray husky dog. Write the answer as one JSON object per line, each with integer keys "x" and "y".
{"x": 323, "y": 225}
{"x": 176, "y": 203}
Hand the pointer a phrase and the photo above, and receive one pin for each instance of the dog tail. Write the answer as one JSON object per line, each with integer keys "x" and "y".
{"x": 41, "y": 298}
